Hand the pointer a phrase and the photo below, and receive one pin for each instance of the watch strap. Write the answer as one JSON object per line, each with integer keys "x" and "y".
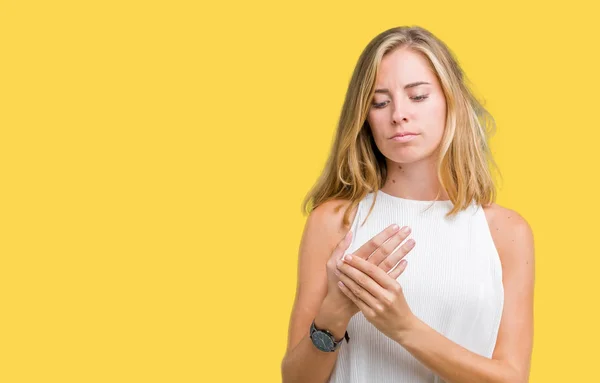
{"x": 336, "y": 343}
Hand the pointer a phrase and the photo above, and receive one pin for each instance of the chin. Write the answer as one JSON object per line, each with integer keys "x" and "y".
{"x": 408, "y": 154}
{"x": 406, "y": 157}
{"x": 404, "y": 154}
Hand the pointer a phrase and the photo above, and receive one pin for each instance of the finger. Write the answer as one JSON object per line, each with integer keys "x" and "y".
{"x": 399, "y": 269}
{"x": 392, "y": 260}
{"x": 342, "y": 246}
{"x": 365, "y": 308}
{"x": 388, "y": 247}
{"x": 360, "y": 279}
{"x": 373, "y": 244}
{"x": 376, "y": 281}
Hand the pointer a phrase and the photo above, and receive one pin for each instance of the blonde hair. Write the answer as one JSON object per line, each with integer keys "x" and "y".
{"x": 356, "y": 167}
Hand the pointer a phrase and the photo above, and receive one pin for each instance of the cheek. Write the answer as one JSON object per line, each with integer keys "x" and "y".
{"x": 374, "y": 119}
{"x": 436, "y": 116}
{"x": 440, "y": 111}
{"x": 375, "y": 123}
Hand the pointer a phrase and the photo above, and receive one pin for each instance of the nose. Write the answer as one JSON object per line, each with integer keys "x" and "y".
{"x": 400, "y": 113}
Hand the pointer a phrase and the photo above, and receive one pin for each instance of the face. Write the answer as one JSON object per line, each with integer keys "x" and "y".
{"x": 408, "y": 100}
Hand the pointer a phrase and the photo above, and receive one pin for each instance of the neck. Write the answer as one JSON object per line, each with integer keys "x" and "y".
{"x": 416, "y": 180}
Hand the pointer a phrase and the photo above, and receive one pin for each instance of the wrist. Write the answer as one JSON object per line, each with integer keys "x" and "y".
{"x": 413, "y": 326}
{"x": 333, "y": 318}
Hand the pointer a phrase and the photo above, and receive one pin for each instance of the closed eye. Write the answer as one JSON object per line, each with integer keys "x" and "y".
{"x": 419, "y": 98}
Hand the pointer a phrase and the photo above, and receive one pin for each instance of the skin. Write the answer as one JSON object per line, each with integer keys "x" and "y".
{"x": 318, "y": 297}
{"x": 412, "y": 175}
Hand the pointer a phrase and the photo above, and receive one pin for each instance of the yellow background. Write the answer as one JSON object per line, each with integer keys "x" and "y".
{"x": 154, "y": 156}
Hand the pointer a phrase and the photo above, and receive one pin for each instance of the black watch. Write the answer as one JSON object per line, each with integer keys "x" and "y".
{"x": 323, "y": 339}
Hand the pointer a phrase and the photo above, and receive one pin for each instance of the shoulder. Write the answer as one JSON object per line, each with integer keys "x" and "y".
{"x": 322, "y": 232}
{"x": 513, "y": 238}
{"x": 511, "y": 233}
{"x": 324, "y": 228}
{"x": 328, "y": 217}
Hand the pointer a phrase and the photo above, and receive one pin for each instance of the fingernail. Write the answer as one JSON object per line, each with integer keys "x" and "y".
{"x": 395, "y": 227}
{"x": 348, "y": 257}
{"x": 406, "y": 230}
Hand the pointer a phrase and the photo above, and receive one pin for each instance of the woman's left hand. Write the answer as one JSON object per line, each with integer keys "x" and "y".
{"x": 377, "y": 293}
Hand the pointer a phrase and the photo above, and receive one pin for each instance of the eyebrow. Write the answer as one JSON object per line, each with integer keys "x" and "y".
{"x": 407, "y": 86}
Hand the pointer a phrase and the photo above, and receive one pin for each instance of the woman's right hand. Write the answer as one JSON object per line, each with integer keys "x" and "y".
{"x": 379, "y": 250}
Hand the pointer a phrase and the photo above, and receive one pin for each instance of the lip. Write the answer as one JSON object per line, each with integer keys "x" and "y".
{"x": 404, "y": 137}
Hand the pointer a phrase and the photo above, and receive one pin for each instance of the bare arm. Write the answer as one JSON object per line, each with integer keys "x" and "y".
{"x": 303, "y": 362}
{"x": 306, "y": 363}
{"x": 510, "y": 361}
{"x": 382, "y": 301}
{"x": 318, "y": 295}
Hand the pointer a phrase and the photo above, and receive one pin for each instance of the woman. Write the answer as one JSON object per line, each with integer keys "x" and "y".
{"x": 453, "y": 303}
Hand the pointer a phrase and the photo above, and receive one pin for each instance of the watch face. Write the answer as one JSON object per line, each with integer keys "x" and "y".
{"x": 322, "y": 341}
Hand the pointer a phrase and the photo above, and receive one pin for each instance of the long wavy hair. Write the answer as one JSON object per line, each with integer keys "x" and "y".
{"x": 356, "y": 167}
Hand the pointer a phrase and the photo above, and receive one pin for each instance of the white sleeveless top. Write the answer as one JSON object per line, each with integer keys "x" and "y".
{"x": 453, "y": 283}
